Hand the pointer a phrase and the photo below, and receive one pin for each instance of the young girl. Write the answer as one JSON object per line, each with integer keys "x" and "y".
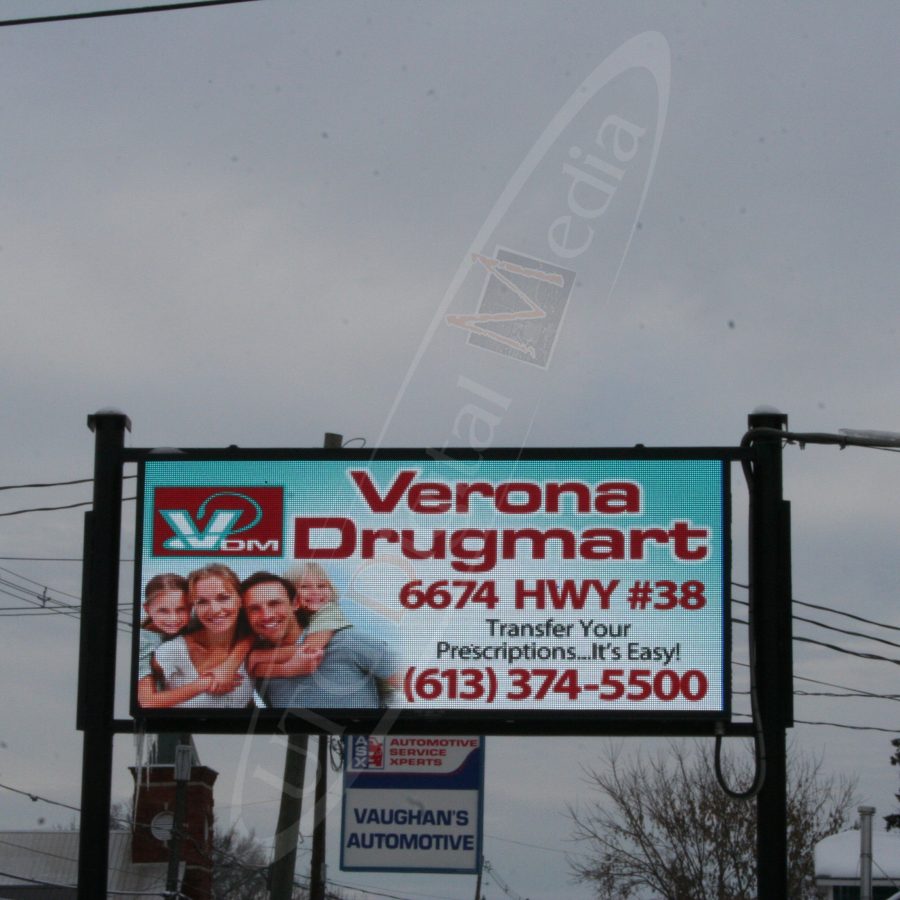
{"x": 205, "y": 659}
{"x": 318, "y": 608}
{"x": 167, "y": 613}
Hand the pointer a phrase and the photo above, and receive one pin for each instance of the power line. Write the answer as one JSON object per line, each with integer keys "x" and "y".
{"x": 845, "y": 688}
{"x": 46, "y": 484}
{"x": 846, "y": 695}
{"x": 38, "y": 583}
{"x": 374, "y": 893}
{"x": 39, "y": 601}
{"x": 19, "y": 512}
{"x": 41, "y": 852}
{"x": 856, "y": 691}
{"x": 102, "y": 13}
{"x": 53, "y": 884}
{"x": 859, "y": 653}
{"x": 818, "y": 624}
{"x": 35, "y": 797}
{"x": 829, "y": 609}
{"x": 859, "y": 634}
{"x": 76, "y": 559}
{"x": 838, "y": 612}
{"x": 833, "y": 725}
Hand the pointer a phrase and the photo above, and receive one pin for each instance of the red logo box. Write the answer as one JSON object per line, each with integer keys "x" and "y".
{"x": 218, "y": 521}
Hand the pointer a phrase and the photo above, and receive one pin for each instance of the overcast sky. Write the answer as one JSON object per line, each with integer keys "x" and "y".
{"x": 249, "y": 224}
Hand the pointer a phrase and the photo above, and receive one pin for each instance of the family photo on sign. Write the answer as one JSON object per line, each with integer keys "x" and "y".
{"x": 210, "y": 640}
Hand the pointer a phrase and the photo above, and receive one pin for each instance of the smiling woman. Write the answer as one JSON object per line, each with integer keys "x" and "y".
{"x": 204, "y": 666}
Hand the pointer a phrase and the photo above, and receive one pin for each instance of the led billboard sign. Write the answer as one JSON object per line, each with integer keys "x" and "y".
{"x": 528, "y": 585}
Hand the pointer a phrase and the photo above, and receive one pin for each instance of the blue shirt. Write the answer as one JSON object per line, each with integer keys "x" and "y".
{"x": 346, "y": 677}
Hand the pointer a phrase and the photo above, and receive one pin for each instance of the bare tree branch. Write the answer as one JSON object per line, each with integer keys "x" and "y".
{"x": 663, "y": 824}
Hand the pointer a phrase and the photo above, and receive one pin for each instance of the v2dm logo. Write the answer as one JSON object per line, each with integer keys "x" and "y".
{"x": 218, "y": 521}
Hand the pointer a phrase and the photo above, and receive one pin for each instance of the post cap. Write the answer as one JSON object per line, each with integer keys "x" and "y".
{"x": 108, "y": 413}
{"x": 767, "y": 417}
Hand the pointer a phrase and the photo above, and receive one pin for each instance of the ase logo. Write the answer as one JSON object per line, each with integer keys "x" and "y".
{"x": 367, "y": 751}
{"x": 218, "y": 521}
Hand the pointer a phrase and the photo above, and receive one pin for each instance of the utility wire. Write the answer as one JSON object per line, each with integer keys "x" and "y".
{"x": 829, "y": 609}
{"x": 19, "y": 512}
{"x": 53, "y": 884}
{"x": 859, "y": 634}
{"x": 805, "y": 640}
{"x": 846, "y": 695}
{"x": 860, "y": 654}
{"x": 36, "y": 797}
{"x": 127, "y": 11}
{"x": 39, "y": 601}
{"x": 818, "y": 624}
{"x": 39, "y": 583}
{"x": 839, "y": 612}
{"x": 77, "y": 559}
{"x": 844, "y": 687}
{"x": 46, "y": 484}
{"x": 834, "y": 725}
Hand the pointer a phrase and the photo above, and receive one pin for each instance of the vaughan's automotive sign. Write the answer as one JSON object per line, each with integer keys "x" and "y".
{"x": 412, "y": 803}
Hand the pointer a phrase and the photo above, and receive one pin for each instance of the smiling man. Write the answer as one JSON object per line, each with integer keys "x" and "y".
{"x": 349, "y": 674}
{"x": 270, "y": 604}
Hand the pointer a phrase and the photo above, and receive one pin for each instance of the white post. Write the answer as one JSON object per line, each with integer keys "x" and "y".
{"x": 865, "y": 851}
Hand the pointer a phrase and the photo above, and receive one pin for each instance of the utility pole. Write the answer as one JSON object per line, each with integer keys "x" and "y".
{"x": 288, "y": 828}
{"x": 478, "y": 879}
{"x": 183, "y": 760}
{"x": 317, "y": 863}
{"x": 281, "y": 886}
{"x": 770, "y": 599}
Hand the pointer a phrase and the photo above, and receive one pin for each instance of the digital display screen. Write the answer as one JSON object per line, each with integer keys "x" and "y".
{"x": 536, "y": 583}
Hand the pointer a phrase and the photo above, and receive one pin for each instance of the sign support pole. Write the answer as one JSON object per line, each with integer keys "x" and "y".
{"x": 288, "y": 828}
{"x": 770, "y": 598}
{"x": 97, "y": 659}
{"x": 317, "y": 862}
